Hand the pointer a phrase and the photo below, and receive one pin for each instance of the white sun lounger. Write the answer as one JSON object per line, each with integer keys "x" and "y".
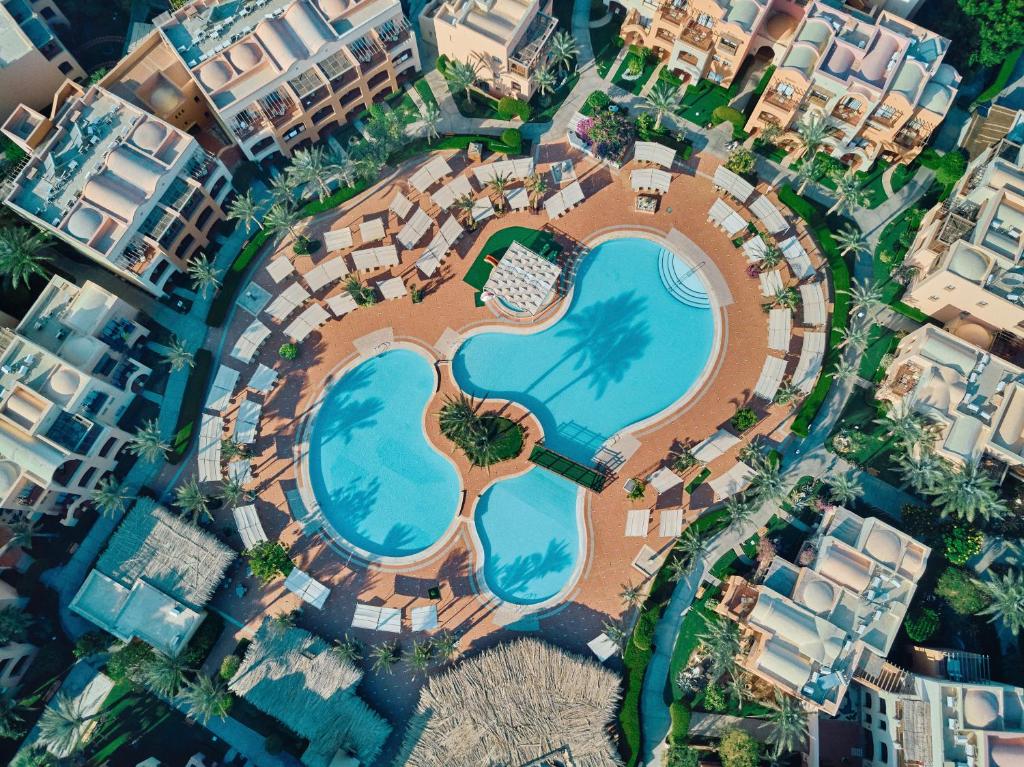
{"x": 602, "y": 647}
{"x": 518, "y": 198}
{"x": 754, "y": 249}
{"x": 390, "y": 620}
{"x": 797, "y": 257}
{"x": 366, "y": 617}
{"x": 733, "y": 224}
{"x": 414, "y": 229}
{"x": 812, "y": 299}
{"x": 424, "y": 618}
{"x": 428, "y": 263}
{"x": 768, "y": 215}
{"x": 240, "y": 471}
{"x": 770, "y": 379}
{"x": 733, "y": 184}
{"x": 342, "y": 304}
{"x": 446, "y": 196}
{"x": 780, "y": 328}
{"x": 663, "y": 480}
{"x": 247, "y": 421}
{"x": 331, "y": 270}
{"x": 280, "y": 268}
{"x": 483, "y": 209}
{"x": 286, "y": 303}
{"x": 771, "y": 283}
{"x": 392, "y": 288}
{"x": 654, "y": 153}
{"x": 650, "y": 179}
{"x": 263, "y": 379}
{"x": 249, "y": 527}
{"x": 371, "y": 230}
{"x": 223, "y": 387}
{"x": 211, "y": 434}
{"x": 736, "y": 480}
{"x": 671, "y": 523}
{"x": 432, "y": 172}
{"x": 250, "y": 341}
{"x": 812, "y": 354}
{"x": 307, "y": 322}
{"x": 718, "y": 444}
{"x": 338, "y": 239}
{"x": 637, "y": 522}
{"x": 308, "y": 589}
{"x": 400, "y": 205}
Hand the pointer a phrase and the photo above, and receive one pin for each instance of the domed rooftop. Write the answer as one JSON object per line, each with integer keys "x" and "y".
{"x": 165, "y": 97}
{"x": 969, "y": 264}
{"x": 245, "y": 55}
{"x": 149, "y": 136}
{"x": 818, "y": 596}
{"x": 780, "y": 25}
{"x": 83, "y": 223}
{"x": 1006, "y": 752}
{"x": 883, "y": 545}
{"x": 981, "y": 709}
{"x": 64, "y": 382}
{"x": 215, "y": 75}
{"x": 333, "y": 8}
{"x": 9, "y": 472}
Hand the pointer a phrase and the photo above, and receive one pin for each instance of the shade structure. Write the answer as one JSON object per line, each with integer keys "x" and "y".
{"x": 734, "y": 184}
{"x": 483, "y": 209}
{"x": 650, "y": 179}
{"x": 736, "y": 480}
{"x": 602, "y": 647}
{"x": 308, "y": 589}
{"x": 518, "y": 198}
{"x": 424, "y": 618}
{"x": 371, "y": 230}
{"x": 375, "y": 258}
{"x": 446, "y": 196}
{"x": 432, "y": 172}
{"x": 223, "y": 387}
{"x": 240, "y": 471}
{"x": 331, "y": 270}
{"x": 670, "y": 525}
{"x": 646, "y": 561}
{"x": 637, "y": 521}
{"x": 516, "y": 169}
{"x": 714, "y": 446}
{"x": 812, "y": 354}
{"x": 428, "y": 264}
{"x": 565, "y": 200}
{"x": 812, "y": 301}
{"x": 771, "y": 283}
{"x": 663, "y": 480}
{"x": 654, "y": 153}
{"x": 733, "y": 224}
{"x": 338, "y": 239}
{"x": 247, "y": 421}
{"x": 366, "y": 617}
{"x": 400, "y": 205}
{"x": 342, "y": 304}
{"x": 247, "y": 521}
{"x": 754, "y": 249}
{"x": 250, "y": 341}
{"x": 415, "y": 228}
{"x": 211, "y": 432}
{"x": 797, "y": 258}
{"x": 280, "y": 268}
{"x": 780, "y": 328}
{"x": 718, "y": 212}
{"x": 291, "y": 299}
{"x": 392, "y": 288}
{"x": 263, "y": 379}
{"x": 768, "y": 214}
{"x": 390, "y": 620}
{"x": 770, "y": 379}
{"x": 522, "y": 280}
{"x": 307, "y": 322}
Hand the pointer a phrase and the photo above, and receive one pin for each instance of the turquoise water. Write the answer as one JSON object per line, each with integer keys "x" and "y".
{"x": 626, "y": 349}
{"x": 378, "y": 481}
{"x": 531, "y": 540}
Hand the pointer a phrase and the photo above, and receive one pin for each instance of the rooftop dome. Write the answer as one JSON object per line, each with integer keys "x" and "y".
{"x": 884, "y": 545}
{"x": 818, "y": 596}
{"x": 64, "y": 382}
{"x": 149, "y": 136}
{"x": 936, "y": 98}
{"x": 780, "y": 25}
{"x": 801, "y": 57}
{"x": 83, "y": 223}
{"x": 969, "y": 264}
{"x": 840, "y": 61}
{"x": 333, "y": 8}
{"x": 815, "y": 32}
{"x": 1004, "y": 752}
{"x": 165, "y": 97}
{"x": 245, "y": 55}
{"x": 215, "y": 75}
{"x": 9, "y": 472}
{"x": 981, "y": 709}
{"x": 743, "y": 13}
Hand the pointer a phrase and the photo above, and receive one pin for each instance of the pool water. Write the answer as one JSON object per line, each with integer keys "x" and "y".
{"x": 379, "y": 483}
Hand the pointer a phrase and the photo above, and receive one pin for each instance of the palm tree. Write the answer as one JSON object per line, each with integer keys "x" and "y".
{"x": 787, "y": 298}
{"x": 545, "y": 80}
{"x": 164, "y": 674}
{"x": 662, "y": 100}
{"x": 110, "y": 497}
{"x": 787, "y": 392}
{"x": 308, "y": 168}
{"x": 368, "y": 159}
{"x": 348, "y": 648}
{"x": 22, "y": 532}
{"x": 191, "y": 499}
{"x": 35, "y": 757}
{"x": 206, "y": 698}
{"x": 805, "y": 174}
{"x": 282, "y": 216}
{"x": 738, "y": 687}
{"x": 243, "y": 209}
{"x": 969, "y": 492}
{"x": 864, "y": 297}
{"x": 688, "y": 546}
{"x": 12, "y": 724}
{"x": 850, "y": 239}
{"x": 854, "y": 336}
{"x": 537, "y": 186}
{"x": 177, "y": 355}
{"x": 459, "y": 418}
{"x": 497, "y": 185}
{"x": 1007, "y": 594}
{"x": 445, "y": 645}
{"x": 631, "y": 595}
{"x": 282, "y": 190}
{"x": 233, "y": 492}
{"x": 21, "y": 254}
{"x": 787, "y": 724}
{"x": 204, "y": 274}
{"x": 466, "y": 203}
{"x": 462, "y": 76}
{"x": 902, "y": 424}
{"x": 845, "y": 370}
{"x": 721, "y": 641}
{"x": 766, "y": 482}
{"x": 230, "y": 450}
{"x": 340, "y": 165}
{"x": 421, "y": 655}
{"x": 431, "y": 118}
{"x": 562, "y": 49}
{"x": 14, "y": 625}
{"x": 923, "y": 472}
{"x": 738, "y": 510}
{"x": 383, "y": 657}
{"x": 848, "y": 193}
{"x": 771, "y": 257}
{"x": 812, "y": 132}
{"x": 281, "y": 622}
{"x": 146, "y": 443}
{"x": 616, "y": 633}
{"x": 843, "y": 488}
{"x": 63, "y": 725}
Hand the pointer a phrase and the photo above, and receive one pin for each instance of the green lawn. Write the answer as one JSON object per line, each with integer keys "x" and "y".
{"x": 723, "y": 567}
{"x": 701, "y": 99}
{"x": 637, "y": 85}
{"x": 603, "y": 40}
{"x": 881, "y": 341}
{"x": 423, "y": 88}
{"x": 693, "y": 626}
{"x": 871, "y": 446}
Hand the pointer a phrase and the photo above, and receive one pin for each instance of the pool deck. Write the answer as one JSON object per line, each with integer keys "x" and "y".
{"x": 448, "y": 304}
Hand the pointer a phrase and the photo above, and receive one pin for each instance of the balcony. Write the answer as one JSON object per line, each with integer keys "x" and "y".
{"x": 665, "y": 36}
{"x": 393, "y": 33}
{"x": 847, "y": 115}
{"x": 534, "y": 41}
{"x": 911, "y": 139}
{"x": 697, "y": 36}
{"x": 672, "y": 17}
{"x": 786, "y": 101}
{"x": 277, "y": 107}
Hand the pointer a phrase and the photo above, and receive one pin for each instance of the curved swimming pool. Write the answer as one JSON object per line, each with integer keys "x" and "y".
{"x": 379, "y": 483}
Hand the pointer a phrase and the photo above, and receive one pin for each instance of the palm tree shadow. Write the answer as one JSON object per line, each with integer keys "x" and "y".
{"x": 520, "y": 575}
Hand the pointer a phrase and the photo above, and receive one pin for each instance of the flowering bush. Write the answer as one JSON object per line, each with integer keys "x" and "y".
{"x": 612, "y": 133}
{"x": 583, "y": 128}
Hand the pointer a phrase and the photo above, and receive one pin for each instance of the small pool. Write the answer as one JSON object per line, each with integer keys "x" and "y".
{"x": 379, "y": 483}
{"x": 530, "y": 534}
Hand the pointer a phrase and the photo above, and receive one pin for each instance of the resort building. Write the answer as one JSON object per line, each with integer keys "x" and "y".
{"x": 299, "y": 679}
{"x": 33, "y": 60}
{"x": 68, "y": 372}
{"x": 507, "y": 39}
{"x": 271, "y": 76}
{"x": 967, "y": 254}
{"x": 119, "y": 185}
{"x": 154, "y": 579}
{"x": 975, "y": 400}
{"x": 15, "y": 657}
{"x": 881, "y": 83}
{"x": 811, "y": 630}
{"x": 949, "y": 714}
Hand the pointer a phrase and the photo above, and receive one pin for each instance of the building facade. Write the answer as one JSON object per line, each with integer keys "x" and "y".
{"x": 967, "y": 254}
{"x": 880, "y": 82}
{"x": 122, "y": 186}
{"x": 15, "y": 657}
{"x": 507, "y": 39}
{"x": 33, "y": 60}
{"x": 68, "y": 372}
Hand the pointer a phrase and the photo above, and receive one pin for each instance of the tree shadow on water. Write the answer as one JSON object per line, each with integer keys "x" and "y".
{"x": 519, "y": 575}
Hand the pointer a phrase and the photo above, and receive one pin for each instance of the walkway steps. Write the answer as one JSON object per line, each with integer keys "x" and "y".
{"x": 682, "y": 281}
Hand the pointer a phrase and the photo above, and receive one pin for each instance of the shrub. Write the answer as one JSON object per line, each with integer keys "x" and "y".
{"x": 597, "y": 101}
{"x": 962, "y": 543}
{"x": 304, "y": 246}
{"x": 963, "y": 595}
{"x": 92, "y": 643}
{"x": 509, "y": 107}
{"x": 643, "y": 633}
{"x": 951, "y": 168}
{"x": 417, "y": 295}
{"x": 738, "y": 749}
{"x": 684, "y": 461}
{"x": 744, "y": 419}
{"x": 741, "y": 160}
{"x": 924, "y": 523}
{"x": 728, "y": 114}
{"x": 921, "y": 624}
{"x": 202, "y": 642}
{"x": 635, "y": 66}
{"x": 229, "y": 667}
{"x": 680, "y": 714}
{"x": 681, "y": 755}
{"x": 268, "y": 560}
{"x": 125, "y": 665}
{"x": 636, "y": 492}
{"x": 714, "y": 699}
{"x": 288, "y": 351}
{"x": 512, "y": 139}
{"x": 442, "y": 64}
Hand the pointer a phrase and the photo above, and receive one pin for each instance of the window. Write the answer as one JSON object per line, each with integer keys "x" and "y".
{"x": 784, "y": 89}
{"x": 881, "y": 705}
{"x": 885, "y": 112}
{"x": 64, "y": 67}
{"x": 882, "y": 725}
{"x": 883, "y": 753}
{"x": 867, "y": 720}
{"x": 706, "y": 20}
{"x": 867, "y": 700}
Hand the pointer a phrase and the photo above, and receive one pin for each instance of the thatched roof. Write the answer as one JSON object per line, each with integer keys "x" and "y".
{"x": 511, "y": 705}
{"x": 296, "y": 677}
{"x": 177, "y": 557}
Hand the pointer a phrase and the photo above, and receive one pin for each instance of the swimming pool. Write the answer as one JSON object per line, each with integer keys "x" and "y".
{"x": 378, "y": 482}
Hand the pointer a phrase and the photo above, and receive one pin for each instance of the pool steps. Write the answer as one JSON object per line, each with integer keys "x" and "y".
{"x": 682, "y": 281}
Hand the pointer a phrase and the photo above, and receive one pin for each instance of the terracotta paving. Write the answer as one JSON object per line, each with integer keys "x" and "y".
{"x": 448, "y": 303}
